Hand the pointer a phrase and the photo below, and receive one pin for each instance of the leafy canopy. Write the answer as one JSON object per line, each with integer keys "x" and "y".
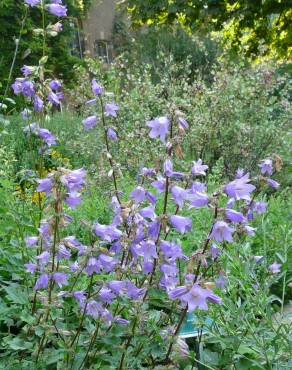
{"x": 252, "y": 26}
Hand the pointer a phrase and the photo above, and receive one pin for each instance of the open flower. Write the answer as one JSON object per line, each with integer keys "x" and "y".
{"x": 181, "y": 224}
{"x": 222, "y": 231}
{"x": 159, "y": 127}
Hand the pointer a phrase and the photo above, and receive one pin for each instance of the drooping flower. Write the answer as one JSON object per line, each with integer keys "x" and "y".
{"x": 43, "y": 258}
{"x": 234, "y": 216}
{"x": 266, "y": 166}
{"x": 107, "y": 262}
{"x": 111, "y": 134}
{"x": 32, "y": 3}
{"x": 159, "y": 184}
{"x": 73, "y": 199}
{"x": 44, "y": 185}
{"x": 197, "y": 199}
{"x": 57, "y": 9}
{"x": 54, "y": 98}
{"x": 215, "y": 251}
{"x": 138, "y": 194}
{"x": 31, "y": 241}
{"x": 147, "y": 249}
{"x": 179, "y": 195}
{"x": 111, "y": 109}
{"x": 171, "y": 250}
{"x": 60, "y": 278}
{"x": 274, "y": 184}
{"x": 275, "y": 267}
{"x": 96, "y": 88}
{"x": 221, "y": 281}
{"x": 89, "y": 122}
{"x": 239, "y": 188}
{"x": 63, "y": 252}
{"x": 148, "y": 212}
{"x": 38, "y": 104}
{"x": 106, "y": 295}
{"x": 17, "y": 86}
{"x": 249, "y": 230}
{"x": 31, "y": 267}
{"x": 93, "y": 309}
{"x": 181, "y": 224}
{"x": 42, "y": 282}
{"x": 133, "y": 292}
{"x": 27, "y": 70}
{"x": 47, "y": 136}
{"x": 199, "y": 168}
{"x": 121, "y": 321}
{"x": 55, "y": 85}
{"x": 222, "y": 231}
{"x": 107, "y": 232}
{"x": 74, "y": 180}
{"x": 159, "y": 127}
{"x": 117, "y": 286}
{"x": 93, "y": 265}
{"x": 28, "y": 88}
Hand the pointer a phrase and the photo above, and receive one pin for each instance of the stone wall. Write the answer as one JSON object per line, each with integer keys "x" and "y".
{"x": 98, "y": 26}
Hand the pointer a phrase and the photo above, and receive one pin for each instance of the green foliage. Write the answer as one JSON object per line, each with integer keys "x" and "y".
{"x": 255, "y": 27}
{"x": 20, "y": 22}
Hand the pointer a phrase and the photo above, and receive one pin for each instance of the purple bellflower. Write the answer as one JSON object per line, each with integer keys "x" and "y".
{"x": 57, "y": 10}
{"x": 42, "y": 282}
{"x": 239, "y": 188}
{"x": 266, "y": 166}
{"x": 96, "y": 88}
{"x": 111, "y": 109}
{"x": 234, "y": 216}
{"x": 274, "y": 184}
{"x": 222, "y": 231}
{"x": 60, "y": 278}
{"x": 199, "y": 168}
{"x": 275, "y": 267}
{"x": 159, "y": 127}
{"x": 32, "y": 3}
{"x": 89, "y": 122}
{"x": 181, "y": 224}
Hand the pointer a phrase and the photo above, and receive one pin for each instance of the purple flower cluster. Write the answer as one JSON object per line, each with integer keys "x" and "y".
{"x": 56, "y": 8}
